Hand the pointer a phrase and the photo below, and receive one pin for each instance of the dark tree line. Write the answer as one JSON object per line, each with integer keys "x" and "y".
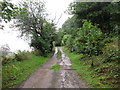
{"x": 92, "y": 22}
{"x": 105, "y": 14}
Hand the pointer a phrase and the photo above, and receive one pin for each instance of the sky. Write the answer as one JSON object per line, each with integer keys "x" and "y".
{"x": 55, "y": 8}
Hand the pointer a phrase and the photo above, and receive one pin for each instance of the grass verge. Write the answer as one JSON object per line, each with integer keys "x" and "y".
{"x": 55, "y": 67}
{"x": 15, "y": 73}
{"x": 92, "y": 75}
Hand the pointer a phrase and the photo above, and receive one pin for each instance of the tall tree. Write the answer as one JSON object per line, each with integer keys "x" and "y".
{"x": 7, "y": 11}
{"x": 31, "y": 22}
{"x": 102, "y": 13}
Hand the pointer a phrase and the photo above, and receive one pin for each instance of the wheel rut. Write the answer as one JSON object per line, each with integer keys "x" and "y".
{"x": 44, "y": 77}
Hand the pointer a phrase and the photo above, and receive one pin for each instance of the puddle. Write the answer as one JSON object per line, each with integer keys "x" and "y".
{"x": 67, "y": 77}
{"x": 64, "y": 60}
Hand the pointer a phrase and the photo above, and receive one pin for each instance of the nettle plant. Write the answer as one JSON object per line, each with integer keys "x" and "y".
{"x": 88, "y": 40}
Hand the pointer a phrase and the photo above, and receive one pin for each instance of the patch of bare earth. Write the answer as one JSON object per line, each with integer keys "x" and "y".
{"x": 44, "y": 77}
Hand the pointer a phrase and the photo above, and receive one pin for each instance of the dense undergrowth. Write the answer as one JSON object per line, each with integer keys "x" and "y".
{"x": 104, "y": 71}
{"x": 16, "y": 69}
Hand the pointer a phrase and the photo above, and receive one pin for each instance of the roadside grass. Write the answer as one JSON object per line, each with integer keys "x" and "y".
{"x": 100, "y": 76}
{"x": 55, "y": 67}
{"x": 15, "y": 73}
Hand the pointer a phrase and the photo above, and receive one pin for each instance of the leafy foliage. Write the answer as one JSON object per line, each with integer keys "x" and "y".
{"x": 86, "y": 41}
{"x": 106, "y": 14}
{"x": 32, "y": 23}
{"x": 93, "y": 33}
{"x": 21, "y": 56}
{"x": 8, "y": 10}
{"x": 104, "y": 75}
{"x": 44, "y": 43}
{"x": 112, "y": 56}
{"x": 7, "y": 59}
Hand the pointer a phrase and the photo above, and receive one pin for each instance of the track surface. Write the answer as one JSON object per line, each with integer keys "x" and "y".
{"x": 44, "y": 77}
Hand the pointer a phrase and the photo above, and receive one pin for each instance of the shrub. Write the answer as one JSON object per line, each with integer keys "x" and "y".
{"x": 36, "y": 52}
{"x": 112, "y": 55}
{"x": 20, "y": 56}
{"x": 87, "y": 40}
{"x": 108, "y": 40}
{"x": 7, "y": 59}
{"x": 65, "y": 38}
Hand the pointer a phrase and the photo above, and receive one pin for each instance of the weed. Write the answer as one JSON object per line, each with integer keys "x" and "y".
{"x": 55, "y": 67}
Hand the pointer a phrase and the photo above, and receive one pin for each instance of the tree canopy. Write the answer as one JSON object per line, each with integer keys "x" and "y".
{"x": 105, "y": 14}
{"x": 31, "y": 21}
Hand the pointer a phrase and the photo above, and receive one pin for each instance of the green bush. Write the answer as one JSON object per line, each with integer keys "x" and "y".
{"x": 65, "y": 38}
{"x": 20, "y": 56}
{"x": 36, "y": 52}
{"x": 108, "y": 40}
{"x": 7, "y": 59}
{"x": 87, "y": 40}
{"x": 112, "y": 55}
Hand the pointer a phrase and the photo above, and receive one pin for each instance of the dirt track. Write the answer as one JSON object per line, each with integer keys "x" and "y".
{"x": 44, "y": 77}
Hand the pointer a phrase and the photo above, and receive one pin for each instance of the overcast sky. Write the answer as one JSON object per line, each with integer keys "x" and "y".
{"x": 54, "y": 8}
